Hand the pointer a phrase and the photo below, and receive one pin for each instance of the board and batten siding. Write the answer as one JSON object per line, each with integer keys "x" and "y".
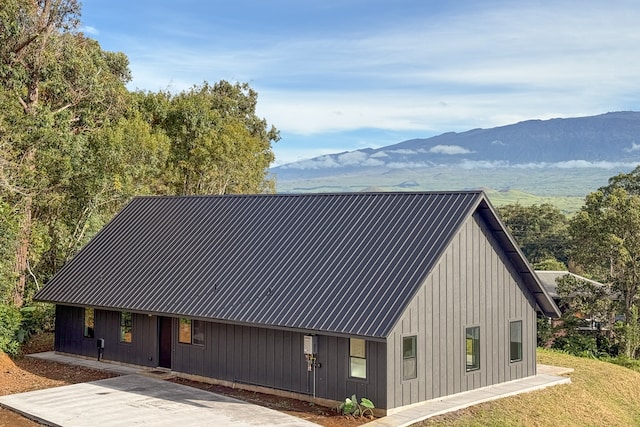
{"x": 473, "y": 284}
{"x": 69, "y": 337}
{"x": 274, "y": 358}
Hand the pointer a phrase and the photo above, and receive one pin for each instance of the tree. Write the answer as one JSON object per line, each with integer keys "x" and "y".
{"x": 218, "y": 144}
{"x": 606, "y": 241}
{"x": 541, "y": 233}
{"x": 75, "y": 145}
{"x": 56, "y": 87}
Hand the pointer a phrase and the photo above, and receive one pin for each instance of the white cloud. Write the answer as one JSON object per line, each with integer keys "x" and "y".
{"x": 449, "y": 149}
{"x": 483, "y": 67}
{"x": 580, "y": 164}
{"x": 87, "y": 29}
{"x": 379, "y": 154}
{"x": 634, "y": 147}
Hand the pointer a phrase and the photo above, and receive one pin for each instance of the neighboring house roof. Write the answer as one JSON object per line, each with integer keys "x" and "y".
{"x": 341, "y": 263}
{"x": 549, "y": 280}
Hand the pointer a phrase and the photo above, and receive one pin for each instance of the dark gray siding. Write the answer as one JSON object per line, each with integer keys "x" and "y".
{"x": 258, "y": 356}
{"x": 275, "y": 359}
{"x": 69, "y": 337}
{"x": 473, "y": 284}
{"x": 141, "y": 351}
{"x": 333, "y": 380}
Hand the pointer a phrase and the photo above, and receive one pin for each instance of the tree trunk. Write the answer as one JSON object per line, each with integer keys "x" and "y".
{"x": 22, "y": 253}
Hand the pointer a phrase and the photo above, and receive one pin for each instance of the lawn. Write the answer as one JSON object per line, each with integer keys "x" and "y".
{"x": 601, "y": 394}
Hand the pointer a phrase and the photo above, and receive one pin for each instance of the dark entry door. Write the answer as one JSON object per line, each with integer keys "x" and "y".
{"x": 164, "y": 342}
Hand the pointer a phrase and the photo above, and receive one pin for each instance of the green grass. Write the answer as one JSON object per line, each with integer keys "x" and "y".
{"x": 600, "y": 394}
{"x": 568, "y": 205}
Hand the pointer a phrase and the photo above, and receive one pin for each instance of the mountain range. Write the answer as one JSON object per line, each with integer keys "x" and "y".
{"x": 556, "y": 157}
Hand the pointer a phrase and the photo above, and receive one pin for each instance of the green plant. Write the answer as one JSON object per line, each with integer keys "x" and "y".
{"x": 350, "y": 406}
{"x": 10, "y": 320}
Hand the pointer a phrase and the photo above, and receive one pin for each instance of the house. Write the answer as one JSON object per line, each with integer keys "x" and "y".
{"x": 590, "y": 289}
{"x": 549, "y": 280}
{"x": 398, "y": 297}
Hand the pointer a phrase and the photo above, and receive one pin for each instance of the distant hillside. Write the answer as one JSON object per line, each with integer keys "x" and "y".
{"x": 557, "y": 157}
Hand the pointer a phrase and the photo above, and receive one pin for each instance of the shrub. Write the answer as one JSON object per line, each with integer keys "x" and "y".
{"x": 10, "y": 322}
{"x": 350, "y": 406}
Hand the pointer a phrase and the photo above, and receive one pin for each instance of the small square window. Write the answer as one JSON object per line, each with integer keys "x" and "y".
{"x": 409, "y": 359}
{"x": 357, "y": 358}
{"x": 472, "y": 344}
{"x": 89, "y": 323}
{"x": 515, "y": 348}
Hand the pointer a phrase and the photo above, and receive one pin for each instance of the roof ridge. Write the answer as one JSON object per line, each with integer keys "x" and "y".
{"x": 338, "y": 194}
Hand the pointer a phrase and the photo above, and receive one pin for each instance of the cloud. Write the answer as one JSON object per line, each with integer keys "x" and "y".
{"x": 86, "y": 29}
{"x": 379, "y": 154}
{"x": 634, "y": 147}
{"x": 488, "y": 66}
{"x": 349, "y": 159}
{"x": 581, "y": 164}
{"x": 449, "y": 149}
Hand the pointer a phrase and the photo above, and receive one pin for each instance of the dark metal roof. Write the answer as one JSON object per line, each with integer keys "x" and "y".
{"x": 549, "y": 280}
{"x": 341, "y": 263}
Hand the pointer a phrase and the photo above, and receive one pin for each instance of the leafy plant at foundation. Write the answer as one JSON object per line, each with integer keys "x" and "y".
{"x": 350, "y": 406}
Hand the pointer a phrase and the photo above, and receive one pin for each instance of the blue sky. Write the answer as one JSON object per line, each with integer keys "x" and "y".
{"x": 341, "y": 75}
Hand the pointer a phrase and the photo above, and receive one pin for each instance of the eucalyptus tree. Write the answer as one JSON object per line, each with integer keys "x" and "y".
{"x": 57, "y": 87}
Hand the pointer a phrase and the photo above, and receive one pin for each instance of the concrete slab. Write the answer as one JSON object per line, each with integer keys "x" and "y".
{"x": 114, "y": 368}
{"x": 422, "y": 411}
{"x": 138, "y": 400}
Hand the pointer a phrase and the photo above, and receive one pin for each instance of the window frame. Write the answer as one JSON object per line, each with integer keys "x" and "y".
{"x": 196, "y": 330}
{"x": 475, "y": 348}
{"x": 126, "y": 325}
{"x": 356, "y": 356}
{"x": 518, "y": 344}
{"x": 89, "y": 330}
{"x": 413, "y": 357}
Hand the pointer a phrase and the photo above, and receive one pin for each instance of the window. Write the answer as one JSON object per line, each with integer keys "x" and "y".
{"x": 184, "y": 331}
{"x": 409, "y": 362}
{"x": 515, "y": 349}
{"x": 197, "y": 332}
{"x": 191, "y": 332}
{"x": 472, "y": 343}
{"x": 89, "y": 322}
{"x": 357, "y": 358}
{"x": 125, "y": 326}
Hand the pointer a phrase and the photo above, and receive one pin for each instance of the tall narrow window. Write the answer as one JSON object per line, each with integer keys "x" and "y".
{"x": 357, "y": 358}
{"x": 472, "y": 343}
{"x": 191, "y": 332}
{"x": 184, "y": 331}
{"x": 515, "y": 349}
{"x": 126, "y": 329}
{"x": 89, "y": 322}
{"x": 409, "y": 360}
{"x": 197, "y": 332}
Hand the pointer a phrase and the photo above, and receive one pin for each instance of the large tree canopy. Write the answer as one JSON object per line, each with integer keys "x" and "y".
{"x": 606, "y": 240}
{"x": 218, "y": 144}
{"x": 75, "y": 144}
{"x": 541, "y": 232}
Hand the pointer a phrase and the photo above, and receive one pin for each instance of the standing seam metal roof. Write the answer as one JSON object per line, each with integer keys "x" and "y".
{"x": 341, "y": 263}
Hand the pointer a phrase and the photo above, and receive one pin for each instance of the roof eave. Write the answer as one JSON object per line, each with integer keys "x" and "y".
{"x": 544, "y": 301}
